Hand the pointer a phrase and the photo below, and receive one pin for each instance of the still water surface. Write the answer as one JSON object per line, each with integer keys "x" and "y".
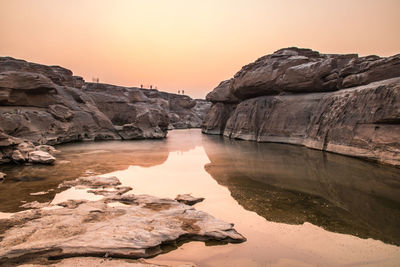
{"x": 296, "y": 206}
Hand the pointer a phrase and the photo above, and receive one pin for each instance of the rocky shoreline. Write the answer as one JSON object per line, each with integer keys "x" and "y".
{"x": 119, "y": 225}
{"x": 48, "y": 105}
{"x": 338, "y": 103}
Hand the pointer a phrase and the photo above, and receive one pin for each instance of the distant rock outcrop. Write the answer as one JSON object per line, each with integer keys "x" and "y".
{"x": 339, "y": 103}
{"x": 48, "y": 105}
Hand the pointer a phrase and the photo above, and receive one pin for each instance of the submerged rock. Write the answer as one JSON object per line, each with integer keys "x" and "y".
{"x": 188, "y": 199}
{"x": 339, "y": 103}
{"x": 122, "y": 226}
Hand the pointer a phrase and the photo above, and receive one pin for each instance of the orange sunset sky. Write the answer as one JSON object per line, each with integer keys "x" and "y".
{"x": 184, "y": 44}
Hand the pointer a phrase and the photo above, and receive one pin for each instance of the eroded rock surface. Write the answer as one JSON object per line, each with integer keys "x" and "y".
{"x": 117, "y": 226}
{"x": 47, "y": 105}
{"x": 339, "y": 103}
{"x": 18, "y": 151}
{"x": 188, "y": 199}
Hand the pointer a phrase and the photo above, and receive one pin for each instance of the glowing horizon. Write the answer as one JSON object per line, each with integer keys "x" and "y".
{"x": 188, "y": 45}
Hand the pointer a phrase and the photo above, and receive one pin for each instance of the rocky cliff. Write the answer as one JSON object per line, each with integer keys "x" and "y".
{"x": 49, "y": 105}
{"x": 338, "y": 103}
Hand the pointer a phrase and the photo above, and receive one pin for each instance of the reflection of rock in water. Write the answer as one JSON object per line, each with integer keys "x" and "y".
{"x": 85, "y": 158}
{"x": 291, "y": 184}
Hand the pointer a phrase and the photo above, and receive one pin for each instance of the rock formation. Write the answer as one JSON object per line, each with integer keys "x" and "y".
{"x": 48, "y": 105}
{"x": 339, "y": 103}
{"x": 122, "y": 226}
{"x": 188, "y": 199}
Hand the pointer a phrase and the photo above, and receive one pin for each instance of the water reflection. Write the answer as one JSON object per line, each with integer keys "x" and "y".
{"x": 85, "y": 158}
{"x": 269, "y": 191}
{"x": 292, "y": 184}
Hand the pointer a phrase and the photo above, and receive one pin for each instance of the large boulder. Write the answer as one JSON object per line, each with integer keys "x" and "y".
{"x": 290, "y": 70}
{"x": 223, "y": 93}
{"x": 40, "y": 157}
{"x": 299, "y": 70}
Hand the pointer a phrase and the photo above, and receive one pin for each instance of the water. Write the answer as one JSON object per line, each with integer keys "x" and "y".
{"x": 296, "y": 206}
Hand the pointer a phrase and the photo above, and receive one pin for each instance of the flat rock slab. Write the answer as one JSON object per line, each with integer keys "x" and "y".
{"x": 117, "y": 226}
{"x": 188, "y": 199}
{"x": 92, "y": 182}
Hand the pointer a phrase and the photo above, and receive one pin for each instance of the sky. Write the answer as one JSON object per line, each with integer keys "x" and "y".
{"x": 187, "y": 44}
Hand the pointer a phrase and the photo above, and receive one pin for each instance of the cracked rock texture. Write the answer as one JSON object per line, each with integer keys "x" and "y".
{"x": 339, "y": 103}
{"x": 49, "y": 105}
{"x": 117, "y": 226}
{"x": 188, "y": 199}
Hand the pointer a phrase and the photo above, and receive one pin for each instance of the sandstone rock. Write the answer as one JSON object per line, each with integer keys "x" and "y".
{"x": 17, "y": 156}
{"x": 364, "y": 70}
{"x": 297, "y": 96}
{"x": 223, "y": 93}
{"x": 40, "y": 157}
{"x": 188, "y": 199}
{"x": 131, "y": 231}
{"x": 130, "y": 110}
{"x": 25, "y": 81}
{"x": 336, "y": 122}
{"x": 136, "y": 229}
{"x": 61, "y": 113}
{"x": 6, "y": 140}
{"x": 296, "y": 70}
{"x": 46, "y": 148}
{"x": 93, "y": 182}
{"x": 289, "y": 70}
{"x": 25, "y": 148}
{"x": 119, "y": 190}
{"x": 47, "y": 105}
{"x": 216, "y": 118}
{"x": 56, "y": 74}
{"x": 35, "y": 205}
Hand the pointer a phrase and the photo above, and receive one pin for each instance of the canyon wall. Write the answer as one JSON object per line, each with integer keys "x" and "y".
{"x": 338, "y": 103}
